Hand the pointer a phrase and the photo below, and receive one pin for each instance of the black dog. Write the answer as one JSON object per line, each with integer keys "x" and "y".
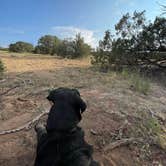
{"x": 62, "y": 142}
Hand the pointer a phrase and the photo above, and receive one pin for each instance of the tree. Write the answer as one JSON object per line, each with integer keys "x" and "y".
{"x": 103, "y": 54}
{"x": 73, "y": 48}
{"x": 47, "y": 45}
{"x": 21, "y": 47}
{"x": 66, "y": 48}
{"x": 137, "y": 43}
{"x": 152, "y": 37}
{"x": 80, "y": 47}
{"x": 129, "y": 27}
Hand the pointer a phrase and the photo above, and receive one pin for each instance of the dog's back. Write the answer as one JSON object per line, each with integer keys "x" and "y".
{"x": 64, "y": 144}
{"x": 65, "y": 149}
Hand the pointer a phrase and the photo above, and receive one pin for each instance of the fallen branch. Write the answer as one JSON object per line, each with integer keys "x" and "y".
{"x": 26, "y": 126}
{"x": 21, "y": 99}
{"x": 6, "y": 92}
{"x": 121, "y": 142}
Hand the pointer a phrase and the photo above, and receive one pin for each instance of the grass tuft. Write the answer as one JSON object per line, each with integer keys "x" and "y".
{"x": 137, "y": 82}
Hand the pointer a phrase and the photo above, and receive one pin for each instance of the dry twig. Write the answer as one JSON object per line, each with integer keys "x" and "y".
{"x": 26, "y": 126}
{"x": 121, "y": 142}
{"x": 6, "y": 92}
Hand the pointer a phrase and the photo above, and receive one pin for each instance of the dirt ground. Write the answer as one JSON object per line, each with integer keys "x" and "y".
{"x": 111, "y": 103}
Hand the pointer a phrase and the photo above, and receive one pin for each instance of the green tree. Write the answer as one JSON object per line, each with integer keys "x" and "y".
{"x": 102, "y": 56}
{"x": 21, "y": 47}
{"x": 80, "y": 47}
{"x": 130, "y": 26}
{"x": 73, "y": 48}
{"x": 47, "y": 45}
{"x": 66, "y": 48}
{"x": 153, "y": 37}
{"x": 137, "y": 43}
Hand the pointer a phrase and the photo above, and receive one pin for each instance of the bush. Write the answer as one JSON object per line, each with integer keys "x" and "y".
{"x": 21, "y": 47}
{"x": 2, "y": 68}
{"x": 47, "y": 45}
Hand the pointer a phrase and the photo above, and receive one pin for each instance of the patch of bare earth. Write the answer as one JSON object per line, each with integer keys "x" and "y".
{"x": 113, "y": 109}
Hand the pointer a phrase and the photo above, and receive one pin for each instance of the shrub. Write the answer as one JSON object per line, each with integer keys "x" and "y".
{"x": 47, "y": 45}
{"x": 2, "y": 68}
{"x": 21, "y": 47}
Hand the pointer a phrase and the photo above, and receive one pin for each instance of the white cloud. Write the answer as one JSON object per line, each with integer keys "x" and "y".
{"x": 10, "y": 30}
{"x": 70, "y": 32}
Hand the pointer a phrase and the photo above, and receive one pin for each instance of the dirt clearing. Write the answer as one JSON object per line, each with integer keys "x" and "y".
{"x": 114, "y": 111}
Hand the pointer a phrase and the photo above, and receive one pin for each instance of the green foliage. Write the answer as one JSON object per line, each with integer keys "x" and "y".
{"x": 21, "y": 47}
{"x": 102, "y": 56}
{"x": 73, "y": 48}
{"x": 153, "y": 36}
{"x": 47, "y": 45}
{"x": 80, "y": 47}
{"x": 66, "y": 49}
{"x": 2, "y": 68}
{"x": 136, "y": 44}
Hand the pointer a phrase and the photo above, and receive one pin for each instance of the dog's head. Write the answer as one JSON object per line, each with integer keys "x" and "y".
{"x": 67, "y": 95}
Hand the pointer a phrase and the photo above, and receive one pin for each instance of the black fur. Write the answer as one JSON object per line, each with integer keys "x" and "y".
{"x": 64, "y": 144}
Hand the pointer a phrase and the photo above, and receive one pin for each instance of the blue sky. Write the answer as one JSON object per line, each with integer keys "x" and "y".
{"x": 28, "y": 20}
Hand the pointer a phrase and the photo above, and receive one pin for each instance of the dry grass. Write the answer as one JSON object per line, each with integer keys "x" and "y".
{"x": 18, "y": 63}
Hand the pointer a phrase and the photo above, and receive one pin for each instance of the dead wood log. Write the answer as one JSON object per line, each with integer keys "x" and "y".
{"x": 121, "y": 142}
{"x": 26, "y": 126}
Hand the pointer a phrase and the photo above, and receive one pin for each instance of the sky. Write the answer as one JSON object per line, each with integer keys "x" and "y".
{"x": 28, "y": 20}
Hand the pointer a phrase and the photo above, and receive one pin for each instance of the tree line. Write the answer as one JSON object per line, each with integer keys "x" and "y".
{"x": 48, "y": 44}
{"x": 136, "y": 43}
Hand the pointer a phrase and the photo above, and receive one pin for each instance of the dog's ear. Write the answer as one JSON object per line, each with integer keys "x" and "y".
{"x": 80, "y": 103}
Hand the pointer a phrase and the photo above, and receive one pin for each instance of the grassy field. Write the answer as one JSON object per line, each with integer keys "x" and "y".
{"x": 117, "y": 109}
